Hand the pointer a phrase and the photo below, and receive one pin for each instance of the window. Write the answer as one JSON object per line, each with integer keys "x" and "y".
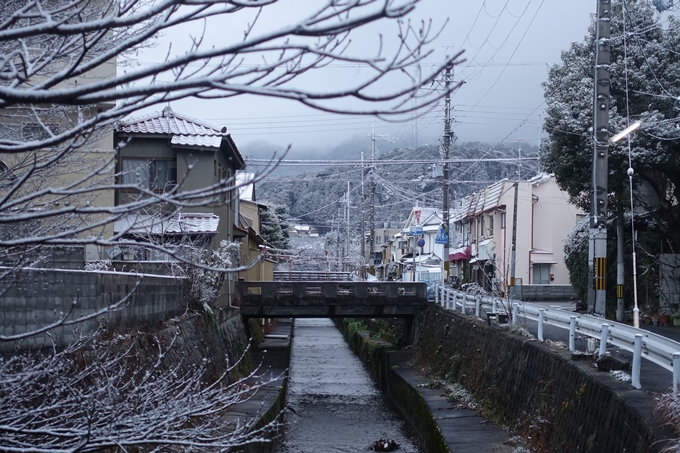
{"x": 502, "y": 220}
{"x": 10, "y": 131}
{"x": 155, "y": 174}
{"x": 483, "y": 227}
{"x": 224, "y": 181}
{"x": 541, "y": 274}
{"x": 136, "y": 172}
{"x": 164, "y": 174}
{"x": 491, "y": 224}
{"x": 32, "y": 131}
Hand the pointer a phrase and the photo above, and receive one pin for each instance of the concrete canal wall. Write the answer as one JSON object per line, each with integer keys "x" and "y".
{"x": 535, "y": 391}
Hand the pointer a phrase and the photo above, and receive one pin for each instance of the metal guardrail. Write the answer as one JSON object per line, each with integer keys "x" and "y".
{"x": 653, "y": 347}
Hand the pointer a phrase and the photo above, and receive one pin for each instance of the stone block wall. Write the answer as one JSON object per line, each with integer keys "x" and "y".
{"x": 538, "y": 391}
{"x": 548, "y": 292}
{"x": 34, "y": 298}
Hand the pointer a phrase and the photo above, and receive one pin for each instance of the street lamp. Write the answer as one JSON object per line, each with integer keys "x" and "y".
{"x": 625, "y": 133}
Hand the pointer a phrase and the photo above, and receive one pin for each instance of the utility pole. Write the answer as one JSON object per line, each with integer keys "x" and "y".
{"x": 620, "y": 271}
{"x": 363, "y": 220}
{"x": 597, "y": 244}
{"x": 372, "y": 247}
{"x": 513, "y": 250}
{"x": 446, "y": 178}
{"x": 348, "y": 205}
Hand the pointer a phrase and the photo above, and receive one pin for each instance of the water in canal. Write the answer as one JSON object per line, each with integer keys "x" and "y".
{"x": 334, "y": 406}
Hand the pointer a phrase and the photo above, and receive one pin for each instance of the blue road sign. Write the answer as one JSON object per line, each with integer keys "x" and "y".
{"x": 421, "y": 242}
{"x": 441, "y": 237}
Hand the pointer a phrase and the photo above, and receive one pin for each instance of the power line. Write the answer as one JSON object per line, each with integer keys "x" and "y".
{"x": 344, "y": 163}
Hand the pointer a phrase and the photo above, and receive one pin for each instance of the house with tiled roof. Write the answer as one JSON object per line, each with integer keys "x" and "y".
{"x": 168, "y": 151}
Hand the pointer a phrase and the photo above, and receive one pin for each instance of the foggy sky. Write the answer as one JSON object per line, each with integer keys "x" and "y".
{"x": 508, "y": 45}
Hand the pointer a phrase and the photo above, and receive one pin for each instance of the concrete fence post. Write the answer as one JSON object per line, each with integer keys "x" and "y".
{"x": 463, "y": 300}
{"x": 603, "y": 339}
{"x": 637, "y": 359}
{"x": 442, "y": 299}
{"x": 436, "y": 293}
{"x": 493, "y": 306}
{"x": 478, "y": 306}
{"x": 453, "y": 301}
{"x": 515, "y": 314}
{"x": 676, "y": 372}
{"x": 541, "y": 315}
{"x": 572, "y": 332}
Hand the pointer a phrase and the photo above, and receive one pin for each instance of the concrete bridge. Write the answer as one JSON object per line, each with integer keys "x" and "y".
{"x": 332, "y": 299}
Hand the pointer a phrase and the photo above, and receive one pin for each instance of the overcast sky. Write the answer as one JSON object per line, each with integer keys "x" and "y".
{"x": 508, "y": 44}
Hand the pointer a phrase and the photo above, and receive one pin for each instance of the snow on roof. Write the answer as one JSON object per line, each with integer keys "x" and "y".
{"x": 204, "y": 141}
{"x": 482, "y": 201}
{"x": 425, "y": 213}
{"x": 493, "y": 195}
{"x": 185, "y": 131}
{"x": 181, "y": 223}
{"x": 541, "y": 178}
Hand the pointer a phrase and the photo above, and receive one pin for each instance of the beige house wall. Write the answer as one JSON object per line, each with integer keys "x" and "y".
{"x": 91, "y": 165}
{"x": 554, "y": 218}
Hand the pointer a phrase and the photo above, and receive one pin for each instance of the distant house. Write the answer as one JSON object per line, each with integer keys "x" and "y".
{"x": 428, "y": 258}
{"x": 303, "y": 230}
{"x": 169, "y": 151}
{"x": 481, "y": 234}
{"x": 247, "y": 231}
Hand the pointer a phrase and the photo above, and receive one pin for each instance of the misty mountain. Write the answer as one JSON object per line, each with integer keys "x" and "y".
{"x": 317, "y": 195}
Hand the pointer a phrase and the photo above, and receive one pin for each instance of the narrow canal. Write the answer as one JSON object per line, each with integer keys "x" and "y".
{"x": 334, "y": 405}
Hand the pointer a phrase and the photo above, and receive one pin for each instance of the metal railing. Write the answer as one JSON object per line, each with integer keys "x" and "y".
{"x": 653, "y": 347}
{"x": 307, "y": 276}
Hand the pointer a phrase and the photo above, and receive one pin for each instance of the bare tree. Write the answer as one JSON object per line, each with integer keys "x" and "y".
{"x": 52, "y": 54}
{"x": 98, "y": 395}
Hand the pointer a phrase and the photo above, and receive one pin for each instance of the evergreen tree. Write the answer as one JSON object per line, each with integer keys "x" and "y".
{"x": 648, "y": 90}
{"x": 274, "y": 226}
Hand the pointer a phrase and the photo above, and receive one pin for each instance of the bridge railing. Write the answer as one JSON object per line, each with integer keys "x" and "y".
{"x": 307, "y": 276}
{"x": 272, "y": 291}
{"x": 653, "y": 347}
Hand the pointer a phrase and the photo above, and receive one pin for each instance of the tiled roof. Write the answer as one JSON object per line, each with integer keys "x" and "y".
{"x": 181, "y": 223}
{"x": 185, "y": 131}
{"x": 205, "y": 141}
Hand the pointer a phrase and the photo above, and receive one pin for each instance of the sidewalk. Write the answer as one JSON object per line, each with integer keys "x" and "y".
{"x": 273, "y": 354}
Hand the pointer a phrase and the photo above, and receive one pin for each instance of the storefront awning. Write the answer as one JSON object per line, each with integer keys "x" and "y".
{"x": 459, "y": 254}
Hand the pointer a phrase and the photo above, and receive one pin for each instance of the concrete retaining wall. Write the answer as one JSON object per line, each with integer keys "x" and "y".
{"x": 33, "y": 298}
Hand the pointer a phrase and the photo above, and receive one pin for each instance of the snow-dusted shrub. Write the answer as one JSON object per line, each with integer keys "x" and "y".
{"x": 207, "y": 276}
{"x": 99, "y": 265}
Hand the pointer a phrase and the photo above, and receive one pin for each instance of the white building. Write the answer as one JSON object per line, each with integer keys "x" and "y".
{"x": 428, "y": 258}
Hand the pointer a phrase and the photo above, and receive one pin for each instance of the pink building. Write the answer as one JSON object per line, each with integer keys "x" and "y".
{"x": 482, "y": 230}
